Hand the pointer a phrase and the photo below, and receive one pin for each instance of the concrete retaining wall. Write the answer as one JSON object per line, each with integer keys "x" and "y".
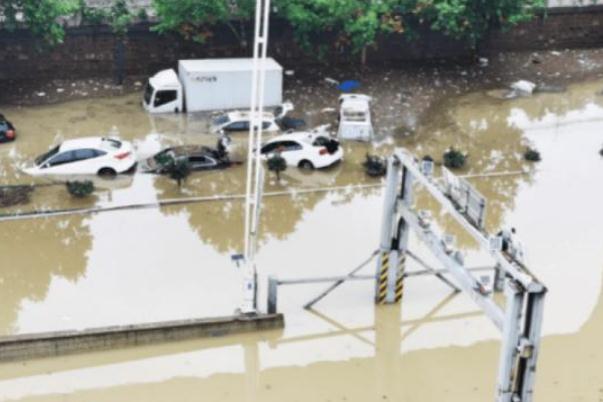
{"x": 28, "y": 346}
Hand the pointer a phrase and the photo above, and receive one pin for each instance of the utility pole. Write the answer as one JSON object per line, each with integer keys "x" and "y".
{"x": 255, "y": 174}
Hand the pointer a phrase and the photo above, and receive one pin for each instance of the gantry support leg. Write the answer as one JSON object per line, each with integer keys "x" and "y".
{"x": 394, "y": 236}
{"x": 521, "y": 343}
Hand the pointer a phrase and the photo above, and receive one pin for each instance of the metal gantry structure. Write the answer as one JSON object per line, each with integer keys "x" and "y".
{"x": 255, "y": 171}
{"x": 521, "y": 319}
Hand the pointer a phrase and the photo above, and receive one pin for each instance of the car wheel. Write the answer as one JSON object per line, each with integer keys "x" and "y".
{"x": 107, "y": 172}
{"x": 306, "y": 164}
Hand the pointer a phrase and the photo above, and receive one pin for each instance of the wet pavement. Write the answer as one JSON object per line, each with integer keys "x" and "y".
{"x": 152, "y": 264}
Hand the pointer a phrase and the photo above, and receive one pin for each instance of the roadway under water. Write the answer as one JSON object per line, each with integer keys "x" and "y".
{"x": 77, "y": 271}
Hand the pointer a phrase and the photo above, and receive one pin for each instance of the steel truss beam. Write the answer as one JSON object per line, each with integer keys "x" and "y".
{"x": 521, "y": 320}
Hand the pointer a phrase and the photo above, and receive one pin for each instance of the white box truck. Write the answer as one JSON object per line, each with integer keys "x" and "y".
{"x": 210, "y": 84}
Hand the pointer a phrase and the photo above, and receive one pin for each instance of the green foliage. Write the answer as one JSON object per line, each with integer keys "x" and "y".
{"x": 532, "y": 155}
{"x": 471, "y": 19}
{"x": 120, "y": 17}
{"x": 194, "y": 19}
{"x": 80, "y": 189}
{"x": 178, "y": 169}
{"x": 142, "y": 15}
{"x": 277, "y": 164}
{"x": 375, "y": 166}
{"x": 352, "y": 23}
{"x": 91, "y": 15}
{"x": 454, "y": 159}
{"x": 41, "y": 17}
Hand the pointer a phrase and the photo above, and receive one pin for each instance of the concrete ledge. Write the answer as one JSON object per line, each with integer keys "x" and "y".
{"x": 48, "y": 344}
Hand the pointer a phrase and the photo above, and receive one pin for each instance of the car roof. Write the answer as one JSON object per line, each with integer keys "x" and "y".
{"x": 189, "y": 150}
{"x": 303, "y": 136}
{"x": 79, "y": 143}
{"x": 246, "y": 115}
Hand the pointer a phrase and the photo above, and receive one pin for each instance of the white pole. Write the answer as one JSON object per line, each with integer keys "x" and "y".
{"x": 254, "y": 185}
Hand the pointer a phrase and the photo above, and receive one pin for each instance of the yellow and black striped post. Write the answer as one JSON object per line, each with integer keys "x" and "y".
{"x": 400, "y": 276}
{"x": 382, "y": 278}
{"x": 390, "y": 277}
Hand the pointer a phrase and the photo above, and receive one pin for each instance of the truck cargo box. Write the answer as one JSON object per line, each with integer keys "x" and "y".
{"x": 214, "y": 84}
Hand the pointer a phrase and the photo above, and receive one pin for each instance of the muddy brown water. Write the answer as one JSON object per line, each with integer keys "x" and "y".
{"x": 77, "y": 271}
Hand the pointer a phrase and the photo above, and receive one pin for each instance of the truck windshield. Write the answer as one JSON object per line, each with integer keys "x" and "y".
{"x": 148, "y": 92}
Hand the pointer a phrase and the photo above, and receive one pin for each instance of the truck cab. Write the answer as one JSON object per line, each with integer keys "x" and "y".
{"x": 355, "y": 117}
{"x": 163, "y": 93}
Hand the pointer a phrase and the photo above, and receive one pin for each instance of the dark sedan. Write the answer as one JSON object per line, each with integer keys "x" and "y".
{"x": 199, "y": 158}
{"x": 7, "y": 130}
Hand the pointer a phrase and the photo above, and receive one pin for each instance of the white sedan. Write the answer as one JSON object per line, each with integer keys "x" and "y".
{"x": 307, "y": 150}
{"x": 85, "y": 156}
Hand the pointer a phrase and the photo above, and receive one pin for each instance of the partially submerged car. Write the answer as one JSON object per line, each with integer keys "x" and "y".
{"x": 241, "y": 120}
{"x": 86, "y": 156}
{"x": 306, "y": 149}
{"x": 355, "y": 117}
{"x": 199, "y": 158}
{"x": 7, "y": 130}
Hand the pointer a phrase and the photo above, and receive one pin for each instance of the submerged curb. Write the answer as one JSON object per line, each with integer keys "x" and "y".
{"x": 50, "y": 344}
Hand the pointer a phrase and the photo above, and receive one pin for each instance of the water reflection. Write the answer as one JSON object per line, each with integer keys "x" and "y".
{"x": 32, "y": 252}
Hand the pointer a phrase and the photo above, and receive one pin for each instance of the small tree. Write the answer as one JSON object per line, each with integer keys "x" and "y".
{"x": 80, "y": 189}
{"x": 277, "y": 164}
{"x": 178, "y": 169}
{"x": 375, "y": 166}
{"x": 454, "y": 159}
{"x": 532, "y": 155}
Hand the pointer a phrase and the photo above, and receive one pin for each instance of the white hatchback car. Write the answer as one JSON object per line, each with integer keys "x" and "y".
{"x": 306, "y": 150}
{"x": 85, "y": 156}
{"x": 241, "y": 120}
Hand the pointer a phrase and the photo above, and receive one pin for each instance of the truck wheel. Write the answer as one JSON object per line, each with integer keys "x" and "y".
{"x": 107, "y": 172}
{"x": 306, "y": 164}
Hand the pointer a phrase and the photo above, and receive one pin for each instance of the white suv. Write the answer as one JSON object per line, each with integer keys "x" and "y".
{"x": 85, "y": 156}
{"x": 306, "y": 150}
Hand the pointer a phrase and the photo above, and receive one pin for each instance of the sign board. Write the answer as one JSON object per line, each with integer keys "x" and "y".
{"x": 467, "y": 199}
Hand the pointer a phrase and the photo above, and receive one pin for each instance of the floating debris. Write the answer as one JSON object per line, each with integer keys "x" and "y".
{"x": 15, "y": 195}
{"x": 523, "y": 87}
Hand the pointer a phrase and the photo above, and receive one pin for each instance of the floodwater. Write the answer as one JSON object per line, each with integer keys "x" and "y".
{"x": 76, "y": 271}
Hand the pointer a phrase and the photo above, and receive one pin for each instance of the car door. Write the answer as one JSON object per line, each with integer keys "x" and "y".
{"x": 88, "y": 160}
{"x": 60, "y": 164}
{"x": 292, "y": 151}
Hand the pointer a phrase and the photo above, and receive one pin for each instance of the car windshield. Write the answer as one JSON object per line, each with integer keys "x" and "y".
{"x": 148, "y": 92}
{"x": 3, "y": 126}
{"x": 44, "y": 157}
{"x": 218, "y": 121}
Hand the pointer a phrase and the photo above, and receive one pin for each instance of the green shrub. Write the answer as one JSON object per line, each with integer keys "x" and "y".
{"x": 532, "y": 155}
{"x": 375, "y": 166}
{"x": 80, "y": 189}
{"x": 277, "y": 164}
{"x": 454, "y": 159}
